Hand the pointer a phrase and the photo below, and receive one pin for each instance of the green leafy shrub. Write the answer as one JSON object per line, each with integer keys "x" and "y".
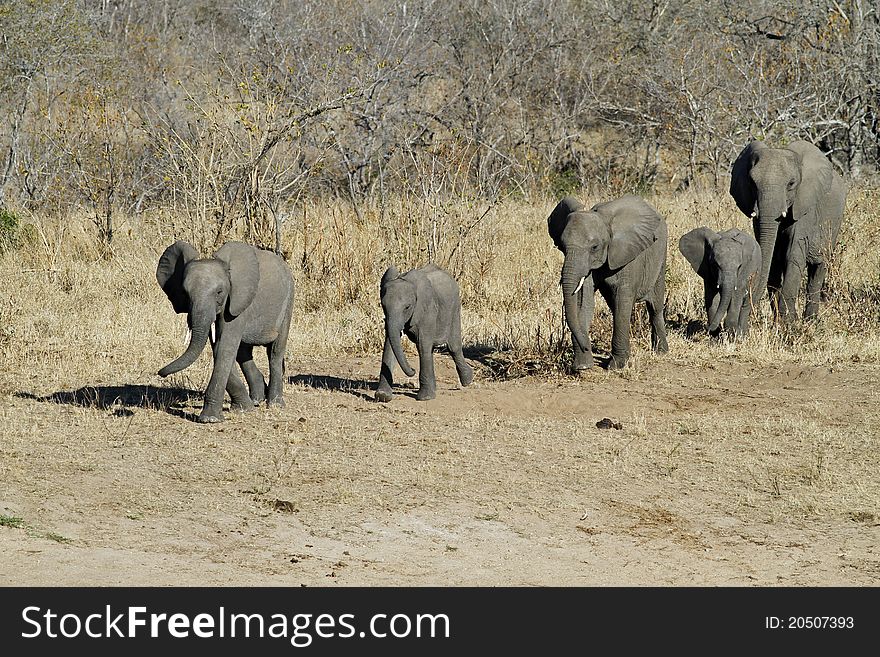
{"x": 13, "y": 233}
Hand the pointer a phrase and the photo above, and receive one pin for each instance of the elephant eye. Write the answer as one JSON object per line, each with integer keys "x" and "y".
{"x": 790, "y": 184}
{"x": 595, "y": 247}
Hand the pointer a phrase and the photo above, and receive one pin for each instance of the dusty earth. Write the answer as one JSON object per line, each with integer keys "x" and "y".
{"x": 718, "y": 475}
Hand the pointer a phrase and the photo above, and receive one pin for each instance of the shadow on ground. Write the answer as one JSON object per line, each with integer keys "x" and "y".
{"x": 692, "y": 329}
{"x": 358, "y": 387}
{"x": 121, "y": 399}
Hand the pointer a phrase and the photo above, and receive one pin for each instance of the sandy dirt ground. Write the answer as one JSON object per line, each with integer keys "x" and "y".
{"x": 718, "y": 475}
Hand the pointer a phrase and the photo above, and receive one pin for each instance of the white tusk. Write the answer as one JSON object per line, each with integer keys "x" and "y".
{"x": 213, "y": 332}
{"x": 754, "y": 214}
{"x": 735, "y": 288}
{"x": 580, "y": 285}
{"x": 187, "y": 336}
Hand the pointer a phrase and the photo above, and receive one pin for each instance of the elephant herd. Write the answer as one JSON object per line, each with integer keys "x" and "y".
{"x": 243, "y": 296}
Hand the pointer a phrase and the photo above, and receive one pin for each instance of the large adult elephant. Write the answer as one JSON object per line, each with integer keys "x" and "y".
{"x": 241, "y": 297}
{"x": 619, "y": 248}
{"x": 796, "y": 202}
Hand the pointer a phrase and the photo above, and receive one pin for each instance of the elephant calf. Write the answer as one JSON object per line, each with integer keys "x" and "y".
{"x": 729, "y": 264}
{"x": 618, "y": 247}
{"x": 425, "y": 304}
{"x": 241, "y": 297}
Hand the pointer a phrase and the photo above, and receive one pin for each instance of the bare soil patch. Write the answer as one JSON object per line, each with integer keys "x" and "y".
{"x": 725, "y": 474}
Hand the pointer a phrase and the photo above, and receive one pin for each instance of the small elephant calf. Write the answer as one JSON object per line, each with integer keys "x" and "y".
{"x": 426, "y": 305}
{"x": 728, "y": 262}
{"x": 239, "y": 298}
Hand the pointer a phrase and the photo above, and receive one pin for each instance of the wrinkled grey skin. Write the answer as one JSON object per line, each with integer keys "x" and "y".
{"x": 425, "y": 304}
{"x": 729, "y": 264}
{"x": 619, "y": 248}
{"x": 248, "y": 294}
{"x": 796, "y": 202}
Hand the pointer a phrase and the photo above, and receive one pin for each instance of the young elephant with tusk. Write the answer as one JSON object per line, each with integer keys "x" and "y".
{"x": 425, "y": 305}
{"x": 619, "y": 248}
{"x": 241, "y": 297}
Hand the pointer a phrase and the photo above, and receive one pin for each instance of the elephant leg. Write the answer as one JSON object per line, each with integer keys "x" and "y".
{"x": 774, "y": 279}
{"x": 815, "y": 279}
{"x": 791, "y": 281}
{"x": 622, "y": 314}
{"x": 427, "y": 381}
{"x": 465, "y": 371}
{"x": 742, "y": 324}
{"x": 276, "y": 351}
{"x": 656, "y": 309}
{"x": 275, "y": 390}
{"x": 238, "y": 393}
{"x": 583, "y": 358}
{"x": 253, "y": 376}
{"x": 732, "y": 320}
{"x": 224, "y": 357}
{"x": 712, "y": 297}
{"x": 384, "y": 390}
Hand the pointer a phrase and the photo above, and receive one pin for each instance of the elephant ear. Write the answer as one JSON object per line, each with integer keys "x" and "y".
{"x": 695, "y": 247}
{"x": 558, "y": 219}
{"x": 816, "y": 178}
{"x": 748, "y": 246}
{"x": 633, "y": 225}
{"x": 426, "y": 298}
{"x": 169, "y": 273}
{"x": 390, "y": 274}
{"x": 244, "y": 274}
{"x": 742, "y": 187}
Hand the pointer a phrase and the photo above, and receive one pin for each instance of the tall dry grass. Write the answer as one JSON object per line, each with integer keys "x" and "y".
{"x": 72, "y": 313}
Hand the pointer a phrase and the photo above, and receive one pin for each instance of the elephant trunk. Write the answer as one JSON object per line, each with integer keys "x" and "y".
{"x": 727, "y": 285}
{"x": 198, "y": 339}
{"x": 571, "y": 282}
{"x": 392, "y": 334}
{"x": 766, "y": 228}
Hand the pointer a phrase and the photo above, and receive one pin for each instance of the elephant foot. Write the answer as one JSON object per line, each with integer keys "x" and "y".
{"x": 616, "y": 363}
{"x": 242, "y": 406}
{"x": 383, "y": 395}
{"x": 466, "y": 376}
{"x": 662, "y": 346}
{"x": 276, "y": 402}
{"x": 583, "y": 360}
{"x": 786, "y": 318}
{"x": 582, "y": 368}
{"x": 426, "y": 395}
{"x": 207, "y": 418}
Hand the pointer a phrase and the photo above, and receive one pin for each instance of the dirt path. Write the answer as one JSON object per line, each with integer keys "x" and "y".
{"x": 720, "y": 475}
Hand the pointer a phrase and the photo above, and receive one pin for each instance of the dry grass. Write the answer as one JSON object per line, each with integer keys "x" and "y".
{"x": 779, "y": 430}
{"x": 92, "y": 309}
